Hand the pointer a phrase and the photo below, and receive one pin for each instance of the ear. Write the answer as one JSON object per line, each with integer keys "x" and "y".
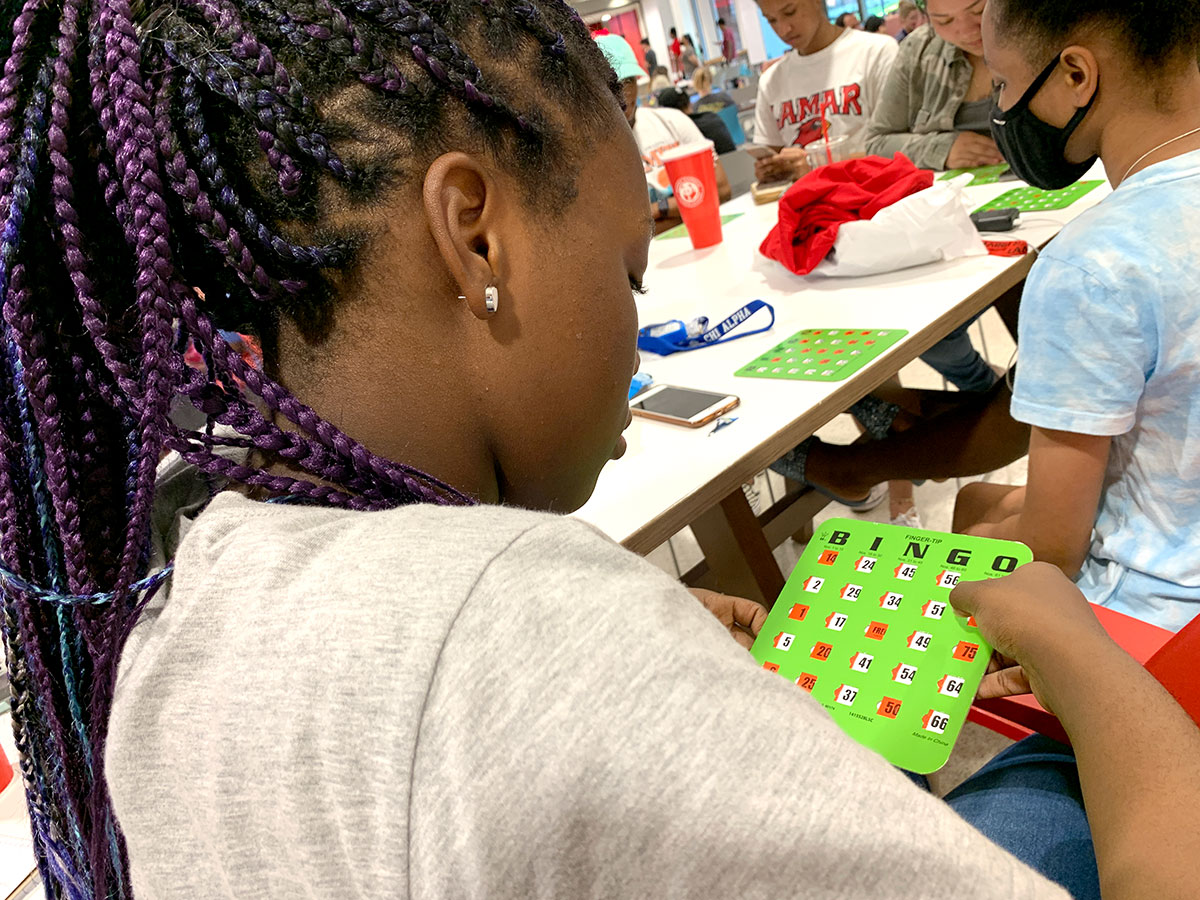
{"x": 461, "y": 199}
{"x": 1082, "y": 73}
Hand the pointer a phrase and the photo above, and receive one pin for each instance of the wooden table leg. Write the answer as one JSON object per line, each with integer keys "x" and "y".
{"x": 740, "y": 561}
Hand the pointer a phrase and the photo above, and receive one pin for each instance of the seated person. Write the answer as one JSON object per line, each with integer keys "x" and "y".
{"x": 710, "y": 124}
{"x": 910, "y": 18}
{"x": 407, "y": 677}
{"x": 710, "y": 100}
{"x": 1113, "y": 494}
{"x": 656, "y": 131}
{"x": 873, "y": 25}
{"x": 936, "y": 106}
{"x": 659, "y": 78}
{"x": 833, "y": 73}
{"x": 847, "y": 20}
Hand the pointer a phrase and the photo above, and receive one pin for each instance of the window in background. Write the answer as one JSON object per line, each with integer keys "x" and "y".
{"x": 835, "y": 8}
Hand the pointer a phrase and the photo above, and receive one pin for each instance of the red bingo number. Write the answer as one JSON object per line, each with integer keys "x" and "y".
{"x": 865, "y": 564}
{"x": 861, "y": 662}
{"x": 812, "y": 584}
{"x": 771, "y": 667}
{"x": 876, "y": 631}
{"x": 888, "y": 707}
{"x": 905, "y": 572}
{"x": 845, "y": 694}
{"x": 903, "y": 674}
{"x": 806, "y": 681}
{"x": 827, "y": 557}
{"x": 890, "y": 600}
{"x": 820, "y": 651}
{"x": 935, "y": 721}
{"x": 948, "y": 579}
{"x": 966, "y": 651}
{"x": 836, "y": 621}
{"x": 783, "y": 640}
{"x": 851, "y": 592}
{"x": 951, "y": 686}
{"x": 920, "y": 640}
{"x": 798, "y": 612}
{"x": 934, "y": 609}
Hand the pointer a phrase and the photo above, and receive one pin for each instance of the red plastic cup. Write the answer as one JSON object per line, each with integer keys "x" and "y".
{"x": 694, "y": 180}
{"x": 6, "y": 771}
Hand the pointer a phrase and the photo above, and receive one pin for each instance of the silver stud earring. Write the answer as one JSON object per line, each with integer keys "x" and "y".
{"x": 491, "y": 299}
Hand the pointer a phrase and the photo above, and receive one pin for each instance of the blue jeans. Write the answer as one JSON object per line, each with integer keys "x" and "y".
{"x": 1027, "y": 800}
{"x": 956, "y": 359}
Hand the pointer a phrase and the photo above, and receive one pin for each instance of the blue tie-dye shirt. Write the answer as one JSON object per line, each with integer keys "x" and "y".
{"x": 1110, "y": 345}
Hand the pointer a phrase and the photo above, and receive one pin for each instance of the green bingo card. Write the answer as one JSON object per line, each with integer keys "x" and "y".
{"x": 822, "y": 354}
{"x": 980, "y": 174}
{"x": 1031, "y": 199}
{"x": 864, "y": 624}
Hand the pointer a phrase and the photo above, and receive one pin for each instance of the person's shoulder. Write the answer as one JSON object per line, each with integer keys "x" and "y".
{"x": 679, "y": 123}
{"x": 924, "y": 44}
{"x": 777, "y": 72}
{"x": 1133, "y": 236}
{"x": 234, "y": 532}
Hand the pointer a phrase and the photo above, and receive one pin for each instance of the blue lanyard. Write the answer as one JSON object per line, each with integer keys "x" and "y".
{"x": 677, "y": 336}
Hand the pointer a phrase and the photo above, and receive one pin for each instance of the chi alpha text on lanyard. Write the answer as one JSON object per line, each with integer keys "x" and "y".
{"x": 676, "y": 335}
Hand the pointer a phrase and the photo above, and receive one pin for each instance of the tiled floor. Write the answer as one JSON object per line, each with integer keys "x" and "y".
{"x": 935, "y": 505}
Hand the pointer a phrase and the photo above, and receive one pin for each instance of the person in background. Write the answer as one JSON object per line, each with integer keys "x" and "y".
{"x": 831, "y": 72}
{"x": 936, "y": 107}
{"x": 689, "y": 59}
{"x": 911, "y": 18}
{"x": 676, "y": 50}
{"x": 873, "y": 25}
{"x": 728, "y": 41}
{"x": 660, "y": 78}
{"x": 650, "y": 56}
{"x": 847, "y": 20}
{"x": 1113, "y": 492}
{"x": 710, "y": 101}
{"x": 709, "y": 123}
{"x": 656, "y": 131}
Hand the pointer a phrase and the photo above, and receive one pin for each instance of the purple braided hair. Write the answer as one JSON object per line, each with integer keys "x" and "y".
{"x": 188, "y": 159}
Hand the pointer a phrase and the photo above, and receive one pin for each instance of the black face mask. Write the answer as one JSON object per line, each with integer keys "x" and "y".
{"x": 1035, "y": 151}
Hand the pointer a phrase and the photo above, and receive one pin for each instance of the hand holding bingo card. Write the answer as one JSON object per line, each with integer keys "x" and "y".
{"x": 864, "y": 625}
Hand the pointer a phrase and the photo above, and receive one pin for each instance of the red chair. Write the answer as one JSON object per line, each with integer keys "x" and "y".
{"x": 1171, "y": 658}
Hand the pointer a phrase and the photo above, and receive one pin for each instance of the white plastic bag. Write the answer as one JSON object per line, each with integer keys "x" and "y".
{"x": 930, "y": 225}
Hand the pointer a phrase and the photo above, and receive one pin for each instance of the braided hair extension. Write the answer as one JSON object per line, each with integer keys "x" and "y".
{"x": 169, "y": 170}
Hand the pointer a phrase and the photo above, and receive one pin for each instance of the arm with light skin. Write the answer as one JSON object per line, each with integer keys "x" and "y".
{"x": 1138, "y": 751}
{"x": 1054, "y": 513}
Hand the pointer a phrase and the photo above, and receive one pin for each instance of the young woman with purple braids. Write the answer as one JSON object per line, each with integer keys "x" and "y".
{"x": 359, "y": 655}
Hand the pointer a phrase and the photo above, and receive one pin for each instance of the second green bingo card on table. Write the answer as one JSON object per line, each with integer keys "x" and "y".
{"x": 865, "y": 625}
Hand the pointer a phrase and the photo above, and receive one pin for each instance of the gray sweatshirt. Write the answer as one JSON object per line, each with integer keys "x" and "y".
{"x": 485, "y": 702}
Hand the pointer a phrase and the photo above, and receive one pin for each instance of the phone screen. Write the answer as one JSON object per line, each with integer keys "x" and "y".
{"x": 679, "y": 403}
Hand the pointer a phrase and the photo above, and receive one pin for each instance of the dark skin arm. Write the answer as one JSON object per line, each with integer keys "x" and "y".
{"x": 1138, "y": 751}
{"x": 1055, "y": 512}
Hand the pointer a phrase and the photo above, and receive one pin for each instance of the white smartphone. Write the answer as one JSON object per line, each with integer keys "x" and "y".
{"x": 759, "y": 151}
{"x": 682, "y": 406}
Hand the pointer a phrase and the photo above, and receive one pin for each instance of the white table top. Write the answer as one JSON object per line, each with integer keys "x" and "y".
{"x": 671, "y": 474}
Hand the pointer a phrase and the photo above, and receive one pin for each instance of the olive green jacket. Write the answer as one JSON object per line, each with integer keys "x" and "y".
{"x": 915, "y": 114}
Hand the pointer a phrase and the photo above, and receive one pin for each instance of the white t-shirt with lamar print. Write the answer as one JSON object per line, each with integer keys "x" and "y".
{"x": 657, "y": 131}
{"x": 845, "y": 80}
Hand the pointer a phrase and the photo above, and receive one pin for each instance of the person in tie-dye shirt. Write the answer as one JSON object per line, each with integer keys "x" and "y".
{"x": 1109, "y": 368}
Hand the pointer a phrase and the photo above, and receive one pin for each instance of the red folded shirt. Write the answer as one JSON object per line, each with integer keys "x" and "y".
{"x": 812, "y": 209}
